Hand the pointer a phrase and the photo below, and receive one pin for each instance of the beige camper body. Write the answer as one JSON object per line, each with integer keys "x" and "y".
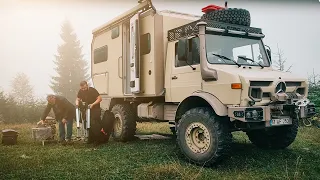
{"x": 110, "y": 77}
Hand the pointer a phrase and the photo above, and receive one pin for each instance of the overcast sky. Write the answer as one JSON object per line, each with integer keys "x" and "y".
{"x": 29, "y": 31}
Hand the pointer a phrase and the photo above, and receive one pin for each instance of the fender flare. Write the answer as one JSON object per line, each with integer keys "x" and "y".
{"x": 219, "y": 108}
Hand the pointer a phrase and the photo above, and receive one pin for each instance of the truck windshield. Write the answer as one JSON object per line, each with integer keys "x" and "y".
{"x": 244, "y": 51}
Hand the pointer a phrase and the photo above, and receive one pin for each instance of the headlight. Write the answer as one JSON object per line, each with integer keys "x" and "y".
{"x": 254, "y": 114}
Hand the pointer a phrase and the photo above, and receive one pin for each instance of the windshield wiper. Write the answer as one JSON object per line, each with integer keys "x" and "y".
{"x": 245, "y": 58}
{"x": 223, "y": 57}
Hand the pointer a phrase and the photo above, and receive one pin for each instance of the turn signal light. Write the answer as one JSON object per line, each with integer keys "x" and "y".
{"x": 236, "y": 86}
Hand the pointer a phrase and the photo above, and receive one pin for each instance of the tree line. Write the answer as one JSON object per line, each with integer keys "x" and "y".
{"x": 20, "y": 104}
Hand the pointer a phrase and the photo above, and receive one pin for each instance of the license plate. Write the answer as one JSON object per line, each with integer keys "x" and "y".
{"x": 277, "y": 122}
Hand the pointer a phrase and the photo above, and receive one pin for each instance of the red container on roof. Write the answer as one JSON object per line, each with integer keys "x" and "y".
{"x": 211, "y": 8}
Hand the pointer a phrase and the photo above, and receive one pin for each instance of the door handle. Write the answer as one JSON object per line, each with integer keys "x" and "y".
{"x": 120, "y": 68}
{"x": 174, "y": 77}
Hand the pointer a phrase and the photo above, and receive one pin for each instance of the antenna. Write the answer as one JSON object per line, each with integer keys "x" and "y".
{"x": 226, "y": 4}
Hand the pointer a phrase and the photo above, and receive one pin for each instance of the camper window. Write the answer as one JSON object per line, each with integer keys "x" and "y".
{"x": 145, "y": 44}
{"x": 115, "y": 32}
{"x": 100, "y": 54}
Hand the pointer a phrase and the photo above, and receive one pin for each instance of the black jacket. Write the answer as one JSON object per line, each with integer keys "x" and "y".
{"x": 63, "y": 109}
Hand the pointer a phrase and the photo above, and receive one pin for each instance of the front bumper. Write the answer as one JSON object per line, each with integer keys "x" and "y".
{"x": 267, "y": 115}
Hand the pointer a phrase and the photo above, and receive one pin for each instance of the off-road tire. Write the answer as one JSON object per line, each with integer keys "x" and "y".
{"x": 230, "y": 15}
{"x": 125, "y": 114}
{"x": 217, "y": 129}
{"x": 274, "y": 138}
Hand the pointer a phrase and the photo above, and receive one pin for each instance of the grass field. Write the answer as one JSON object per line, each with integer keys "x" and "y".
{"x": 155, "y": 159}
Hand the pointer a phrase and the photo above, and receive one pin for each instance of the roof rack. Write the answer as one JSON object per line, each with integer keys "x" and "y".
{"x": 191, "y": 29}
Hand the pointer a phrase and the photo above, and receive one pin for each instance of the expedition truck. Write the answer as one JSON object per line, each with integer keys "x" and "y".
{"x": 208, "y": 76}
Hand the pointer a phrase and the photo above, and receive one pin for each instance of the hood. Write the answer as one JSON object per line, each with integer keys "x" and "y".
{"x": 249, "y": 73}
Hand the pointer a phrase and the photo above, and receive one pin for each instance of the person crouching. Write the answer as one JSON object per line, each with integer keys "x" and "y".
{"x": 64, "y": 112}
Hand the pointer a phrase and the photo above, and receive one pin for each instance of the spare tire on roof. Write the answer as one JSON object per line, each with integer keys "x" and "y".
{"x": 230, "y": 15}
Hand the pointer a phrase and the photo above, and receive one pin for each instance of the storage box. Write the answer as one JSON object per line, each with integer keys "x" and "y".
{"x": 9, "y": 137}
{"x": 42, "y": 133}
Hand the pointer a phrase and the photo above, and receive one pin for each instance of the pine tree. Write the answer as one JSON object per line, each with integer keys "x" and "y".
{"x": 70, "y": 65}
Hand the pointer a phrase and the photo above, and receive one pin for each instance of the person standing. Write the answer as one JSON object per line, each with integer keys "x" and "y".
{"x": 64, "y": 112}
{"x": 91, "y": 97}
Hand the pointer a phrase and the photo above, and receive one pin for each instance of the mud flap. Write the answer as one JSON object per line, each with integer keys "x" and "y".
{"x": 134, "y": 54}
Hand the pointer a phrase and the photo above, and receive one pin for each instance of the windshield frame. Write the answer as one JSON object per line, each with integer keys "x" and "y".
{"x": 238, "y": 36}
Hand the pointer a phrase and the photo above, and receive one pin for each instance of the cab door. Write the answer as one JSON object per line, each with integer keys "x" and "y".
{"x": 184, "y": 79}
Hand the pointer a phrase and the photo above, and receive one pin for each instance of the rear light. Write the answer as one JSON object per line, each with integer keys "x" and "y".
{"x": 211, "y": 8}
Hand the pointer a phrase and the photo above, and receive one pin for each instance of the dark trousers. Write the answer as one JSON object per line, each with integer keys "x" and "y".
{"x": 95, "y": 132}
{"x": 62, "y": 129}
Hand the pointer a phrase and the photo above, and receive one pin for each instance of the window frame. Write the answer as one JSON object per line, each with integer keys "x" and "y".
{"x": 148, "y": 44}
{"x": 105, "y": 47}
{"x": 115, "y": 32}
{"x": 194, "y": 63}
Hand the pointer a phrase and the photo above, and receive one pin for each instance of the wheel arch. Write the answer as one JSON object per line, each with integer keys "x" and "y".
{"x": 201, "y": 99}
{"x": 108, "y": 102}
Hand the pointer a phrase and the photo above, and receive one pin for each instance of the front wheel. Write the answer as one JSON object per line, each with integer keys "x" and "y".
{"x": 203, "y": 137}
{"x": 274, "y": 138}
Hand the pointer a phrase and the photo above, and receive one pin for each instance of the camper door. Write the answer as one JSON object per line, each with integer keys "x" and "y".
{"x": 134, "y": 54}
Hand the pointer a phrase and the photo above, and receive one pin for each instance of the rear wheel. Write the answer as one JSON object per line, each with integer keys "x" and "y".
{"x": 274, "y": 138}
{"x": 124, "y": 127}
{"x": 203, "y": 137}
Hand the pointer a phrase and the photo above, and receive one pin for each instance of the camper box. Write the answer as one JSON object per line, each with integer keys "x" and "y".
{"x": 115, "y": 71}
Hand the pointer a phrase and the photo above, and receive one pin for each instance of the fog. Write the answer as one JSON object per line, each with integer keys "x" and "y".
{"x": 29, "y": 31}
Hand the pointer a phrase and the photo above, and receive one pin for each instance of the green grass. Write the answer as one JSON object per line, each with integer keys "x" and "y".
{"x": 155, "y": 159}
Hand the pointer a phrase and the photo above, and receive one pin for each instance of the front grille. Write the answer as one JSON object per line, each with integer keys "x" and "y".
{"x": 255, "y": 93}
{"x": 266, "y": 95}
{"x": 281, "y": 87}
{"x": 260, "y": 83}
{"x": 301, "y": 91}
{"x": 293, "y": 83}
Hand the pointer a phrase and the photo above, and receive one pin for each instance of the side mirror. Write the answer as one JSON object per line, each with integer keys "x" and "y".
{"x": 183, "y": 49}
{"x": 268, "y": 51}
